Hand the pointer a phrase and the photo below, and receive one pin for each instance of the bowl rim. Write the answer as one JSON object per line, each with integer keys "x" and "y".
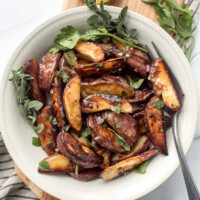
{"x": 52, "y": 20}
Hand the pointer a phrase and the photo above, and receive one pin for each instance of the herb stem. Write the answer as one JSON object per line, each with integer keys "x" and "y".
{"x": 117, "y": 38}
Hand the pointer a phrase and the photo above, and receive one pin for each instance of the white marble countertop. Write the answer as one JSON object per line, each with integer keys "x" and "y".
{"x": 18, "y": 18}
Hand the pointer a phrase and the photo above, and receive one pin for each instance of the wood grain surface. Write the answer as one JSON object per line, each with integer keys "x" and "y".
{"x": 134, "y": 5}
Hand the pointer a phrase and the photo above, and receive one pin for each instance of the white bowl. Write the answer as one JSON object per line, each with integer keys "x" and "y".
{"x": 17, "y": 134}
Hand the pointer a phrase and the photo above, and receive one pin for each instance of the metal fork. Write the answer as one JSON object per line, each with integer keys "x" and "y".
{"x": 192, "y": 190}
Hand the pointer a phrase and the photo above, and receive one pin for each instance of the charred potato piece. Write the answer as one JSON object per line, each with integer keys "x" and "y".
{"x": 125, "y": 125}
{"x": 167, "y": 122}
{"x": 90, "y": 51}
{"x": 71, "y": 102}
{"x": 104, "y": 136}
{"x": 141, "y": 146}
{"x": 59, "y": 164}
{"x": 114, "y": 85}
{"x": 97, "y": 69}
{"x": 137, "y": 52}
{"x": 138, "y": 65}
{"x": 48, "y": 134}
{"x": 31, "y": 67}
{"x": 86, "y": 175}
{"x": 126, "y": 165}
{"x": 47, "y": 70}
{"x": 154, "y": 123}
{"x": 100, "y": 102}
{"x": 162, "y": 84}
{"x": 138, "y": 107}
{"x": 140, "y": 95}
{"x": 57, "y": 104}
{"x": 77, "y": 152}
{"x": 106, "y": 155}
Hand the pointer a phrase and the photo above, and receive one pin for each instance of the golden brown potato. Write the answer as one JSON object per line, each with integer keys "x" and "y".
{"x": 48, "y": 134}
{"x": 100, "y": 102}
{"x": 141, "y": 95}
{"x": 90, "y": 50}
{"x": 81, "y": 138}
{"x": 71, "y": 102}
{"x": 77, "y": 152}
{"x": 31, "y": 67}
{"x": 115, "y": 85}
{"x": 137, "y": 52}
{"x": 125, "y": 125}
{"x": 57, "y": 104}
{"x": 162, "y": 84}
{"x": 104, "y": 136}
{"x": 106, "y": 155}
{"x": 86, "y": 175}
{"x": 126, "y": 165}
{"x": 59, "y": 164}
{"x": 141, "y": 146}
{"x": 47, "y": 70}
{"x": 98, "y": 69}
{"x": 154, "y": 123}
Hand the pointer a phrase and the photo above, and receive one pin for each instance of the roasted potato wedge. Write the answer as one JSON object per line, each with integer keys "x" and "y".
{"x": 57, "y": 104}
{"x": 71, "y": 102}
{"x": 138, "y": 65}
{"x": 163, "y": 85}
{"x": 77, "y": 152}
{"x": 141, "y": 95}
{"x": 167, "y": 122}
{"x": 100, "y": 102}
{"x": 31, "y": 67}
{"x": 114, "y": 85}
{"x": 97, "y": 69}
{"x": 86, "y": 175}
{"x": 59, "y": 164}
{"x": 47, "y": 70}
{"x": 137, "y": 52}
{"x": 154, "y": 123}
{"x": 81, "y": 138}
{"x": 141, "y": 146}
{"x": 106, "y": 155}
{"x": 48, "y": 134}
{"x": 138, "y": 107}
{"x": 125, "y": 125}
{"x": 126, "y": 165}
{"x": 104, "y": 136}
{"x": 90, "y": 51}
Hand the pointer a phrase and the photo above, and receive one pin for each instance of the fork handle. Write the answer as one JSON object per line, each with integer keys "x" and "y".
{"x": 192, "y": 190}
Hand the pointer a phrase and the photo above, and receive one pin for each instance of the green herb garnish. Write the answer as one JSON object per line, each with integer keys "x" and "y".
{"x": 121, "y": 141}
{"x": 103, "y": 18}
{"x": 71, "y": 53}
{"x": 65, "y": 78}
{"x": 158, "y": 104}
{"x": 87, "y": 132}
{"x": 22, "y": 86}
{"x": 69, "y": 60}
{"x": 99, "y": 64}
{"x": 136, "y": 85}
{"x": 40, "y": 128}
{"x": 67, "y": 127}
{"x": 36, "y": 141}
{"x": 176, "y": 18}
{"x": 141, "y": 169}
{"x": 105, "y": 115}
{"x": 118, "y": 109}
{"x": 65, "y": 69}
{"x": 53, "y": 120}
{"x": 69, "y": 36}
{"x": 76, "y": 170}
{"x": 44, "y": 165}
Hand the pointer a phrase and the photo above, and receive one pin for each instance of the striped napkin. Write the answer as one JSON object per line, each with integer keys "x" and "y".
{"x": 11, "y": 187}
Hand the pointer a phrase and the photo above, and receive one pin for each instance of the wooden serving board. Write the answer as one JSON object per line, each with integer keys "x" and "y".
{"x": 133, "y": 5}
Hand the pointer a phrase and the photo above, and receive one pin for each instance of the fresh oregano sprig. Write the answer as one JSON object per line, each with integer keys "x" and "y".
{"x": 176, "y": 18}
{"x": 28, "y": 107}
